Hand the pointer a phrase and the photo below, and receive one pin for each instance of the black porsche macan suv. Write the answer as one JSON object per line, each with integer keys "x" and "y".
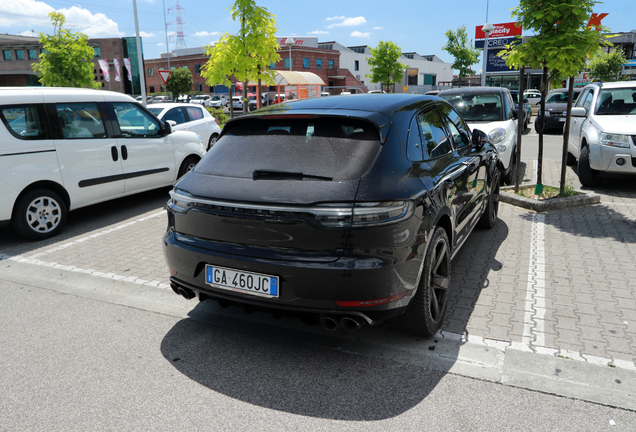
{"x": 343, "y": 210}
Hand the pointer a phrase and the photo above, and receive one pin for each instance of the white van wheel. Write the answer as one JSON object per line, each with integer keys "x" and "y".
{"x": 39, "y": 214}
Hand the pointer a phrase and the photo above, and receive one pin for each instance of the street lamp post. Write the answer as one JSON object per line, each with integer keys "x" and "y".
{"x": 487, "y": 29}
{"x": 289, "y": 42}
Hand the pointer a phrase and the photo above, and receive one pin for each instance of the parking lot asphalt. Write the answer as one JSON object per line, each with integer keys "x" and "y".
{"x": 545, "y": 301}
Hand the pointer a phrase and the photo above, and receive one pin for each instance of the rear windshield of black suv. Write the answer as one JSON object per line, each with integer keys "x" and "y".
{"x": 327, "y": 148}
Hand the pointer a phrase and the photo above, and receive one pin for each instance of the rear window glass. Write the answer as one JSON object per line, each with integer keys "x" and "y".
{"x": 80, "y": 120}
{"x": 307, "y": 149}
{"x": 24, "y": 121}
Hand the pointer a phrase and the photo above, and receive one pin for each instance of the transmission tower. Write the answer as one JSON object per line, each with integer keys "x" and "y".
{"x": 180, "y": 36}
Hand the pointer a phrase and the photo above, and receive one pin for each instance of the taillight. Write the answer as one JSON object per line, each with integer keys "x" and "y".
{"x": 362, "y": 303}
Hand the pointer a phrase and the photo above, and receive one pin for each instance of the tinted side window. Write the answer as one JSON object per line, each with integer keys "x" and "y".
{"x": 458, "y": 128}
{"x": 434, "y": 139}
{"x": 176, "y": 115}
{"x": 586, "y": 100}
{"x": 26, "y": 122}
{"x": 80, "y": 120}
{"x": 414, "y": 144}
{"x": 134, "y": 121}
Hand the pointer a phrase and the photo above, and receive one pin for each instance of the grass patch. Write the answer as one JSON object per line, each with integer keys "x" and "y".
{"x": 548, "y": 192}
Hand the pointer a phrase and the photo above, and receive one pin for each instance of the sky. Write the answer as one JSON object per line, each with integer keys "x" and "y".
{"x": 415, "y": 26}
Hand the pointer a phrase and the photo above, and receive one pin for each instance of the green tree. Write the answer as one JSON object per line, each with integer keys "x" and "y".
{"x": 180, "y": 82}
{"x": 67, "y": 59}
{"x": 561, "y": 44}
{"x": 459, "y": 47}
{"x": 246, "y": 55}
{"x": 608, "y": 67}
{"x": 385, "y": 65}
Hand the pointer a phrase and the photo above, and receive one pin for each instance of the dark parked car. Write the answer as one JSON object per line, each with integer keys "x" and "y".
{"x": 342, "y": 211}
{"x": 556, "y": 104}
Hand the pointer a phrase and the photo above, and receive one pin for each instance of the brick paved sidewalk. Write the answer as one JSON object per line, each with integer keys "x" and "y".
{"x": 560, "y": 282}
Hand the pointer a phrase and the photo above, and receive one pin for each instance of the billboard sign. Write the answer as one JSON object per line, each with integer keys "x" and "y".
{"x": 497, "y": 42}
{"x": 496, "y": 63}
{"x": 501, "y": 30}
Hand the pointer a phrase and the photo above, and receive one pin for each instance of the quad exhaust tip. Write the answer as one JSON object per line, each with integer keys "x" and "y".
{"x": 347, "y": 323}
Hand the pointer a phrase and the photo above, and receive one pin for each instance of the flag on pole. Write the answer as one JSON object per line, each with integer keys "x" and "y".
{"x": 103, "y": 64}
{"x": 116, "y": 65}
{"x": 128, "y": 68}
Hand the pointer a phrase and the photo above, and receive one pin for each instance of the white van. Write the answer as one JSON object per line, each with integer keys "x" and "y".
{"x": 66, "y": 148}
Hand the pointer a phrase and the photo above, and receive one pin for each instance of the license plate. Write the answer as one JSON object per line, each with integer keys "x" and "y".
{"x": 562, "y": 119}
{"x": 247, "y": 282}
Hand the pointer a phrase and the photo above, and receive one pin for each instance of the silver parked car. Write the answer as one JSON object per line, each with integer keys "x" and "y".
{"x": 603, "y": 131}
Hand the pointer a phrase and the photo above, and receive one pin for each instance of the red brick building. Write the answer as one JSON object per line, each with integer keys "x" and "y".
{"x": 323, "y": 62}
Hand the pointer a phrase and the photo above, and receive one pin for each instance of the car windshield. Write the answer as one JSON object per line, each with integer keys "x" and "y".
{"x": 616, "y": 101}
{"x": 301, "y": 149}
{"x": 477, "y": 107}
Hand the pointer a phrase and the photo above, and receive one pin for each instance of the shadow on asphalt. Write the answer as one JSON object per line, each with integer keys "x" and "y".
{"x": 287, "y": 366}
{"x": 295, "y": 371}
{"x": 88, "y": 219}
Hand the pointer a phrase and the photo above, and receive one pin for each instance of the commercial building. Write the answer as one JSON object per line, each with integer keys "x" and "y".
{"x": 341, "y": 68}
{"x": 19, "y": 53}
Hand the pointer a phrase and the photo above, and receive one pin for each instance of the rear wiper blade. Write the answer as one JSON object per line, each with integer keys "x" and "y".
{"x": 284, "y": 175}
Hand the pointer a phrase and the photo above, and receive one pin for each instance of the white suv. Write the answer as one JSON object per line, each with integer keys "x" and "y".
{"x": 65, "y": 148}
{"x": 603, "y": 131}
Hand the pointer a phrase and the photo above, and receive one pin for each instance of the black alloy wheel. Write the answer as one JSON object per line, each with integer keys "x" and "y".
{"x": 589, "y": 177}
{"x": 489, "y": 217}
{"x": 426, "y": 312}
{"x": 213, "y": 139}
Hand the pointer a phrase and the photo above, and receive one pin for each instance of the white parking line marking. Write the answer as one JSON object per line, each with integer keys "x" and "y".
{"x": 534, "y": 317}
{"x": 96, "y": 235}
{"x": 91, "y": 272}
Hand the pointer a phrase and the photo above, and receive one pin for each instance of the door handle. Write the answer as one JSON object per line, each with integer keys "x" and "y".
{"x": 124, "y": 152}
{"x": 114, "y": 154}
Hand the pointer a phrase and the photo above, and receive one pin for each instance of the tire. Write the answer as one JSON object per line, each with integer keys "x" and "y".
{"x": 509, "y": 177}
{"x": 425, "y": 314}
{"x": 489, "y": 218}
{"x": 188, "y": 165}
{"x": 571, "y": 160}
{"x": 39, "y": 214}
{"x": 589, "y": 177}
{"x": 213, "y": 139}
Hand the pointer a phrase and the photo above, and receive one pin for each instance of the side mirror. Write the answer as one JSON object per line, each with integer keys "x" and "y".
{"x": 515, "y": 114}
{"x": 479, "y": 139}
{"x": 168, "y": 126}
{"x": 525, "y": 100}
{"x": 579, "y": 112}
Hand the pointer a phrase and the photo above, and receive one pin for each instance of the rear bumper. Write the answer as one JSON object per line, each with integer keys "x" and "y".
{"x": 306, "y": 288}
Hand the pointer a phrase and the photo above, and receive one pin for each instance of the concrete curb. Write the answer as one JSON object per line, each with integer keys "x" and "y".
{"x": 583, "y": 198}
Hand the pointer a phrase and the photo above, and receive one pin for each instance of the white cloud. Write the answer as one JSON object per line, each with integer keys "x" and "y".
{"x": 336, "y": 18}
{"x": 160, "y": 44}
{"x": 28, "y": 33}
{"x": 24, "y": 12}
{"x": 146, "y": 35}
{"x": 318, "y": 32}
{"x": 360, "y": 34}
{"x": 94, "y": 25}
{"x": 205, "y": 33}
{"x": 349, "y": 22}
{"x": 378, "y": 28}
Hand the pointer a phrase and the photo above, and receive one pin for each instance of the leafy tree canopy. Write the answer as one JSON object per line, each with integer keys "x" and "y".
{"x": 385, "y": 67}
{"x": 67, "y": 59}
{"x": 248, "y": 54}
{"x": 180, "y": 82}
{"x": 459, "y": 47}
{"x": 562, "y": 41}
{"x": 608, "y": 67}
